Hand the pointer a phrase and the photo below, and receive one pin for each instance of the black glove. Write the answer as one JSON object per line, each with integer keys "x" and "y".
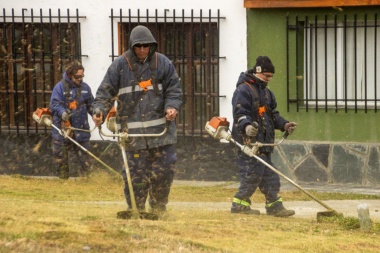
{"x": 290, "y": 127}
{"x": 65, "y": 116}
{"x": 251, "y": 131}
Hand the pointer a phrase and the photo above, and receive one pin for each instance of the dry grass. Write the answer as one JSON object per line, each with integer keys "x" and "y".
{"x": 39, "y": 215}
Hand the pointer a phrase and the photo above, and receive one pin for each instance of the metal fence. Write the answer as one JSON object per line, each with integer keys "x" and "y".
{"x": 191, "y": 42}
{"x": 34, "y": 49}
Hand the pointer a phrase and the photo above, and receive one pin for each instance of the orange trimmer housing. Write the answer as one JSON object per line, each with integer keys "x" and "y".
{"x": 216, "y": 122}
{"x": 111, "y": 113}
{"x": 41, "y": 114}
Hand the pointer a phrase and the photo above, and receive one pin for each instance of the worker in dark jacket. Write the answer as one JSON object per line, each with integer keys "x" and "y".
{"x": 255, "y": 119}
{"x": 70, "y": 104}
{"x": 148, "y": 93}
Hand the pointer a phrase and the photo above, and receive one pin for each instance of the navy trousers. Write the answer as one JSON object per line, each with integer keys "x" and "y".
{"x": 152, "y": 173}
{"x": 254, "y": 174}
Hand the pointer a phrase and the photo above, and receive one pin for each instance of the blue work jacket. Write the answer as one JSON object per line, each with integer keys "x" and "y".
{"x": 59, "y": 103}
{"x": 250, "y": 95}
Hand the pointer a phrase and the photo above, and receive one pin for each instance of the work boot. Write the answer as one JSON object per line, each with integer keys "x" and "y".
{"x": 283, "y": 212}
{"x": 236, "y": 208}
{"x": 161, "y": 213}
{"x": 63, "y": 174}
{"x": 85, "y": 173}
{"x": 278, "y": 210}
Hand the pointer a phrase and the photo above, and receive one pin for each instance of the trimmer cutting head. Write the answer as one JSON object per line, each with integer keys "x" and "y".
{"x": 330, "y": 213}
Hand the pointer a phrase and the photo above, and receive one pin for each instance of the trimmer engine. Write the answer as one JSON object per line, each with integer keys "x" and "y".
{"x": 111, "y": 120}
{"x": 42, "y": 116}
{"x": 217, "y": 127}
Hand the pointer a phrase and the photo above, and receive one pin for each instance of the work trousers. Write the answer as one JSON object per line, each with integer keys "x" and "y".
{"x": 152, "y": 173}
{"x": 255, "y": 174}
{"x": 61, "y": 150}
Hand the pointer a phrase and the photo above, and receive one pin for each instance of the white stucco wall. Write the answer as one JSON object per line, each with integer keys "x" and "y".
{"x": 96, "y": 35}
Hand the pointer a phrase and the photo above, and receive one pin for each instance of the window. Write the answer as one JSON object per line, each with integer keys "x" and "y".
{"x": 32, "y": 57}
{"x": 193, "y": 47}
{"x": 352, "y": 75}
{"x": 340, "y": 63}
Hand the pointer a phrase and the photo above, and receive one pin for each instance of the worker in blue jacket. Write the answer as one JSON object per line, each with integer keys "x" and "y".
{"x": 148, "y": 94}
{"x": 70, "y": 105}
{"x": 255, "y": 119}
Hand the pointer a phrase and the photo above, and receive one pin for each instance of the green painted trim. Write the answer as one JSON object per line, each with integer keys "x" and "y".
{"x": 266, "y": 30}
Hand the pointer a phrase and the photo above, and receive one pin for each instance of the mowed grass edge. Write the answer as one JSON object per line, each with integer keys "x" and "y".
{"x": 80, "y": 215}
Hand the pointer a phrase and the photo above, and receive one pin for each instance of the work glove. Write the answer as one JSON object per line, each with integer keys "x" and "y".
{"x": 251, "y": 130}
{"x": 65, "y": 116}
{"x": 290, "y": 127}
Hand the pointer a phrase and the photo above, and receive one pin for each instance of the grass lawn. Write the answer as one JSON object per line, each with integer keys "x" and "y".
{"x": 41, "y": 215}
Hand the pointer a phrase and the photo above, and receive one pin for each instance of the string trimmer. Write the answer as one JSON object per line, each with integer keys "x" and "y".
{"x": 218, "y": 128}
{"x": 124, "y": 139}
{"x": 43, "y": 117}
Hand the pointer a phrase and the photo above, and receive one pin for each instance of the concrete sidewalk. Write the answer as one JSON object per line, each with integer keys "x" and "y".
{"x": 303, "y": 209}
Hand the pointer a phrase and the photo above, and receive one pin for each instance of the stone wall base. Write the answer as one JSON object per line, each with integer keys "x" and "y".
{"x": 207, "y": 159}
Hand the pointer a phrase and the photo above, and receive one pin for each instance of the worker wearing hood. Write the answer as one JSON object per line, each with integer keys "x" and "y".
{"x": 148, "y": 93}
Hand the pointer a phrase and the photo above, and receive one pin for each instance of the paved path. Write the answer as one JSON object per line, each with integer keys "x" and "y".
{"x": 304, "y": 209}
{"x": 286, "y": 186}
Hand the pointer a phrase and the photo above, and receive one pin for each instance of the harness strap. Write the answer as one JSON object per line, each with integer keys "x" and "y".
{"x": 129, "y": 56}
{"x": 71, "y": 103}
{"x": 260, "y": 109}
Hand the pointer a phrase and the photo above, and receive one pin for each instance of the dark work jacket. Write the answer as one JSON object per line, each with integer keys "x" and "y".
{"x": 139, "y": 111}
{"x": 250, "y": 94}
{"x": 79, "y": 117}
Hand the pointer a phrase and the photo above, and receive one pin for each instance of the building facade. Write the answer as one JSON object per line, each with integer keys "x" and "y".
{"x": 326, "y": 56}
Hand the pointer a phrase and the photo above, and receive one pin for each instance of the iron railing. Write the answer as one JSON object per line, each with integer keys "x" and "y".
{"x": 34, "y": 50}
{"x": 191, "y": 42}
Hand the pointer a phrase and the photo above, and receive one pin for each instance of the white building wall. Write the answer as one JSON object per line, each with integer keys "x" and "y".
{"x": 96, "y": 35}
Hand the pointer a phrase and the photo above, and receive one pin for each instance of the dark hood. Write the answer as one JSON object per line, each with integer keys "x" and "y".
{"x": 142, "y": 35}
{"x": 248, "y": 77}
